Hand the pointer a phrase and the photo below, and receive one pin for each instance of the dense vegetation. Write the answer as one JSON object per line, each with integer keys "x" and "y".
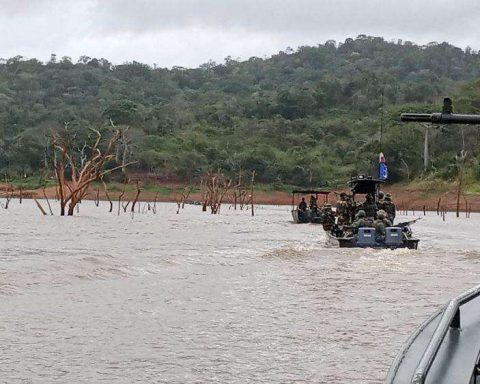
{"x": 310, "y": 116}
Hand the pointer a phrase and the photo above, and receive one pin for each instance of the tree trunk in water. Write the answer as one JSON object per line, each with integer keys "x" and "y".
{"x": 40, "y": 207}
{"x": 459, "y": 190}
{"x": 48, "y": 202}
{"x": 251, "y": 193}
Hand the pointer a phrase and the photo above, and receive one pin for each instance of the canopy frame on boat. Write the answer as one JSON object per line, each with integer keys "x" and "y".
{"x": 315, "y": 192}
{"x": 364, "y": 185}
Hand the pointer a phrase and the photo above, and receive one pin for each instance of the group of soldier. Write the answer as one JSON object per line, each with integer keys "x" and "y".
{"x": 353, "y": 215}
{"x": 313, "y": 205}
{"x": 378, "y": 214}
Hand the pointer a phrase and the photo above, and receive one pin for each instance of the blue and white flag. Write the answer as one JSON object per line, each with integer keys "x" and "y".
{"x": 382, "y": 167}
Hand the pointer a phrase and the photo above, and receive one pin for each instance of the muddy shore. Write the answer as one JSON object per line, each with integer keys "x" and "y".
{"x": 405, "y": 197}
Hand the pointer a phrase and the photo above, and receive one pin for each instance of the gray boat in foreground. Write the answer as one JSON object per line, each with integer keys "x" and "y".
{"x": 445, "y": 349}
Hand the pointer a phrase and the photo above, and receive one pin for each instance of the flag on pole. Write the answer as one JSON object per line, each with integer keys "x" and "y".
{"x": 382, "y": 167}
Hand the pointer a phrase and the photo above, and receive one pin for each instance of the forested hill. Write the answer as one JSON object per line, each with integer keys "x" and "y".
{"x": 310, "y": 116}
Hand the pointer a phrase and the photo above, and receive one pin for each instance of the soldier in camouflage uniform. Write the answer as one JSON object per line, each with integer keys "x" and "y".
{"x": 389, "y": 207}
{"x": 352, "y": 208}
{"x": 328, "y": 217}
{"x": 381, "y": 200}
{"x": 361, "y": 221}
{"x": 302, "y": 206}
{"x": 381, "y": 223}
{"x": 343, "y": 210}
{"x": 369, "y": 206}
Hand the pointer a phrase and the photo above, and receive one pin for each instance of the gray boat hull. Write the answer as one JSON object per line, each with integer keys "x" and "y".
{"x": 445, "y": 348}
{"x": 352, "y": 242}
{"x": 308, "y": 216}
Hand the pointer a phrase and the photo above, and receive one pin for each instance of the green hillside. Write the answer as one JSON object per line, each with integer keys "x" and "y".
{"x": 310, "y": 116}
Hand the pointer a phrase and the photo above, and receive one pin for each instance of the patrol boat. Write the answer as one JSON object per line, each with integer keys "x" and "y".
{"x": 445, "y": 348}
{"x": 314, "y": 216}
{"x": 396, "y": 236}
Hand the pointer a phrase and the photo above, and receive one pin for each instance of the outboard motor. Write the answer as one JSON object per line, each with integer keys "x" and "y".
{"x": 366, "y": 237}
{"x": 393, "y": 236}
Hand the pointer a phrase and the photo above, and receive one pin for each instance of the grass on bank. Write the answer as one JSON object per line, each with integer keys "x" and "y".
{"x": 428, "y": 186}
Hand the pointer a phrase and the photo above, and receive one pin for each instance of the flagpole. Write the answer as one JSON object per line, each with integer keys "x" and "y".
{"x": 381, "y": 158}
{"x": 381, "y": 119}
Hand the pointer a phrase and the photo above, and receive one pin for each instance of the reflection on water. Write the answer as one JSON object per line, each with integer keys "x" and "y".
{"x": 195, "y": 298}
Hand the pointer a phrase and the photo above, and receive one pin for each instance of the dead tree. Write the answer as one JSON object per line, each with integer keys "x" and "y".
{"x": 10, "y": 190}
{"x": 46, "y": 199}
{"x": 40, "y": 206}
{"x": 182, "y": 198}
{"x": 251, "y": 193}
{"x": 242, "y": 193}
{"x": 125, "y": 206}
{"x": 122, "y": 147}
{"x": 154, "y": 208}
{"x": 120, "y": 199}
{"x": 215, "y": 186}
{"x": 186, "y": 195}
{"x": 97, "y": 197}
{"x": 243, "y": 198}
{"x": 107, "y": 195}
{"x": 205, "y": 193}
{"x": 75, "y": 174}
{"x": 136, "y": 197}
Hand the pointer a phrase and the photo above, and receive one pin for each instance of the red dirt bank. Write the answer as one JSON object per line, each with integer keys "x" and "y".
{"x": 406, "y": 197}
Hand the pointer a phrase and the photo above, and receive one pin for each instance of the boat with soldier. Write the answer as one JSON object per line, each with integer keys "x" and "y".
{"x": 368, "y": 224}
{"x": 311, "y": 212}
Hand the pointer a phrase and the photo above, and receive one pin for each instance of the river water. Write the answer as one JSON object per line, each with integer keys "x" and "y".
{"x": 198, "y": 298}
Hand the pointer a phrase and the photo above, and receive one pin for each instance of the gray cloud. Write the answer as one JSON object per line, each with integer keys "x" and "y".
{"x": 189, "y": 32}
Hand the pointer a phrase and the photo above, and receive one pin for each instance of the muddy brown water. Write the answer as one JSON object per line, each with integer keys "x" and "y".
{"x": 197, "y": 298}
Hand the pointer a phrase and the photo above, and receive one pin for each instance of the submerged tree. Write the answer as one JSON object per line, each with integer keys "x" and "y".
{"x": 76, "y": 169}
{"x": 214, "y": 187}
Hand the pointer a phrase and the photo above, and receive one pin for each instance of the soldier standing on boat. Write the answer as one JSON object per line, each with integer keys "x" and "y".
{"x": 328, "y": 217}
{"x": 351, "y": 208}
{"x": 369, "y": 206}
{"x": 389, "y": 207}
{"x": 381, "y": 200}
{"x": 302, "y": 206}
{"x": 343, "y": 211}
{"x": 313, "y": 203}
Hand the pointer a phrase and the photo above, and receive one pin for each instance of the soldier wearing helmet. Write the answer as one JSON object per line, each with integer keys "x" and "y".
{"x": 381, "y": 200}
{"x": 328, "y": 217}
{"x": 389, "y": 207}
{"x": 343, "y": 211}
{"x": 381, "y": 222}
{"x": 361, "y": 220}
{"x": 369, "y": 206}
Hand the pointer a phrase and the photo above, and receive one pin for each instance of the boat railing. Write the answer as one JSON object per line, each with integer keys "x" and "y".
{"x": 449, "y": 319}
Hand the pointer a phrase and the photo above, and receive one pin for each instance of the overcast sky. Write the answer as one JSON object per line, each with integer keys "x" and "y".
{"x": 191, "y": 32}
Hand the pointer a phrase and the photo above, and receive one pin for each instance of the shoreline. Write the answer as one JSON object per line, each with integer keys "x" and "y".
{"x": 404, "y": 196}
